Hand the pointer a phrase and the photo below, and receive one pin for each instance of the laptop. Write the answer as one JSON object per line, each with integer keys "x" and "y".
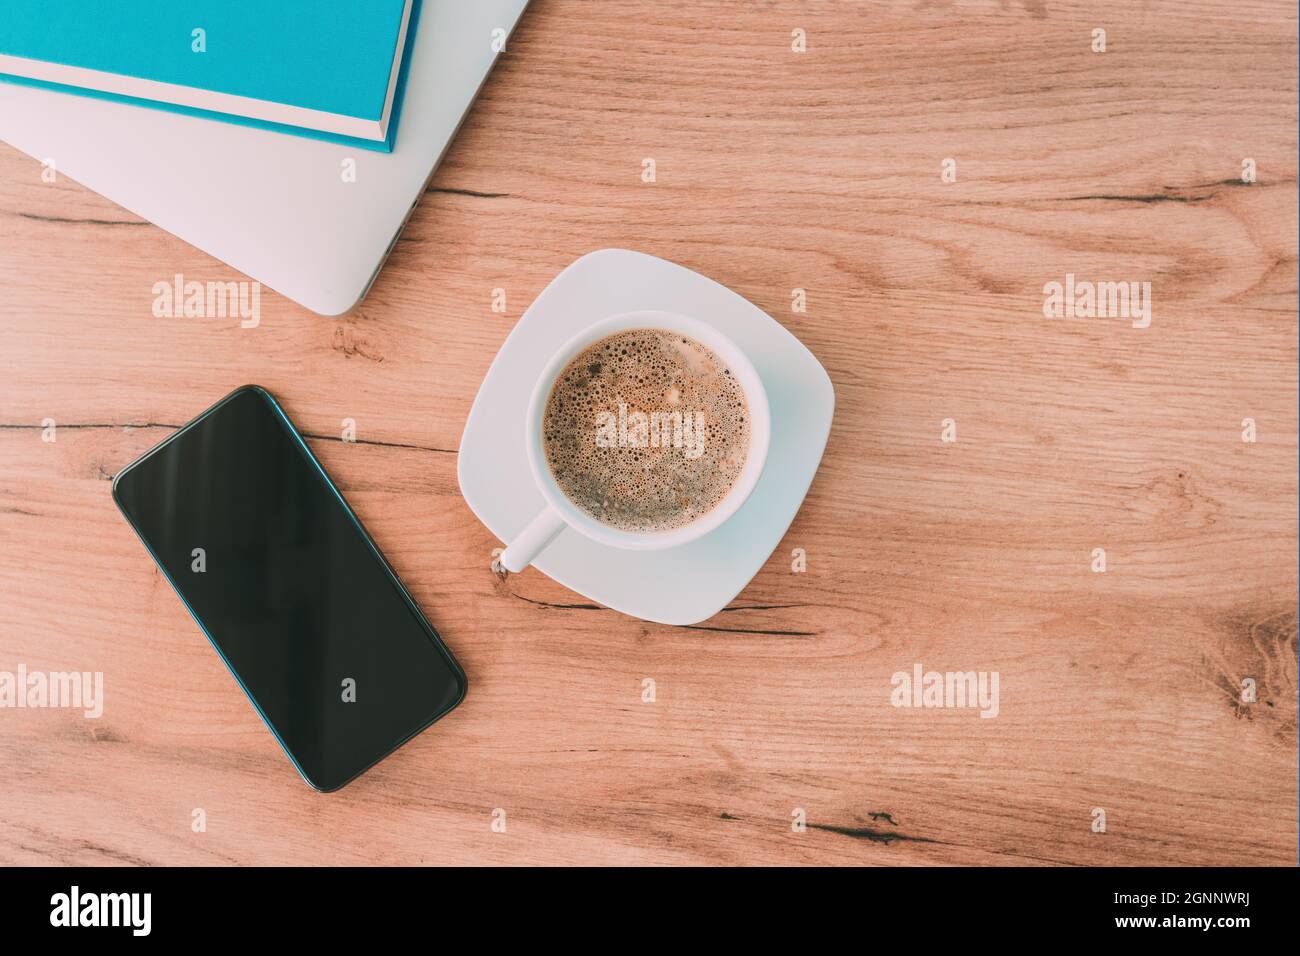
{"x": 312, "y": 220}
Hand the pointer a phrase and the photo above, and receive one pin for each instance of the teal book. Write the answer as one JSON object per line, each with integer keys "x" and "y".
{"x": 330, "y": 69}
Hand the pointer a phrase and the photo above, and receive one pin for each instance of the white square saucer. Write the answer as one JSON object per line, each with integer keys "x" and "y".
{"x": 692, "y": 582}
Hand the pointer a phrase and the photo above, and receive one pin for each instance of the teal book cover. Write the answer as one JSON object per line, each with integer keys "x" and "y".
{"x": 329, "y": 69}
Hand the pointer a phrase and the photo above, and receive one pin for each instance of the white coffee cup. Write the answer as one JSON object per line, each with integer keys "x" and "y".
{"x": 560, "y": 512}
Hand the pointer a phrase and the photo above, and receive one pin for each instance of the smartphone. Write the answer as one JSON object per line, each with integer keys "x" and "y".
{"x": 287, "y": 585}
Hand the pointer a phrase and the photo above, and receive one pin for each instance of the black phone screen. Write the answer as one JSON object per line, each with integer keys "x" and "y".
{"x": 287, "y": 585}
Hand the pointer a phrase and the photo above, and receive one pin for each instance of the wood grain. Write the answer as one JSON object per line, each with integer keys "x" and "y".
{"x": 775, "y": 171}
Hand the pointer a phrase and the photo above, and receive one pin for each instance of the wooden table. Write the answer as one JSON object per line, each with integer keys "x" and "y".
{"x": 1120, "y": 691}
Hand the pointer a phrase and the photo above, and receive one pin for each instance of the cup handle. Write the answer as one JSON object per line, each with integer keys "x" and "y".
{"x": 532, "y": 541}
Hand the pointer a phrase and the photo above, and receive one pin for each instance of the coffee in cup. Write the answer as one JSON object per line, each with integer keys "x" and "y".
{"x": 646, "y": 430}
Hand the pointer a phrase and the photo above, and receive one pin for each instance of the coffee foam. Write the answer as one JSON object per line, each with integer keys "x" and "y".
{"x": 633, "y": 486}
